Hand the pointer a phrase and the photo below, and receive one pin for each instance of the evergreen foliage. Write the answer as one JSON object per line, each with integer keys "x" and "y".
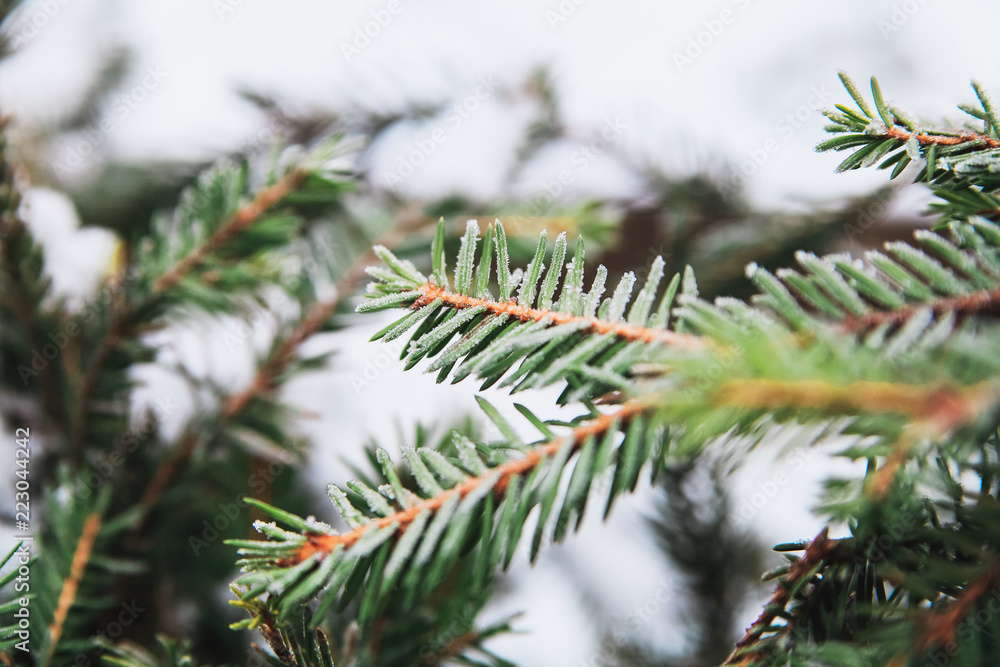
{"x": 896, "y": 356}
{"x": 898, "y": 353}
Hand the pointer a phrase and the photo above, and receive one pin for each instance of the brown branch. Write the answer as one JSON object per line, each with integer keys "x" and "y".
{"x": 817, "y": 551}
{"x": 240, "y": 221}
{"x": 326, "y": 543}
{"x": 951, "y": 139}
{"x": 71, "y": 585}
{"x": 939, "y": 628}
{"x": 633, "y": 332}
{"x": 108, "y": 344}
{"x": 453, "y": 649}
{"x": 974, "y": 302}
{"x": 267, "y": 375}
{"x": 935, "y": 410}
{"x": 167, "y": 469}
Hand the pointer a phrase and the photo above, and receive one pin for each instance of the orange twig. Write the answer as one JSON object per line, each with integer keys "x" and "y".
{"x": 953, "y": 139}
{"x": 320, "y": 312}
{"x": 243, "y": 218}
{"x": 941, "y": 628}
{"x": 430, "y": 292}
{"x": 974, "y": 302}
{"x": 71, "y": 585}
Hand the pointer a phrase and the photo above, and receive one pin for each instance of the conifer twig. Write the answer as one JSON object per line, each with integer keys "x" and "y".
{"x": 326, "y": 543}
{"x": 951, "y": 139}
{"x": 267, "y": 375}
{"x": 243, "y": 218}
{"x": 111, "y": 340}
{"x": 632, "y": 332}
{"x": 70, "y": 587}
{"x": 974, "y": 302}
{"x": 167, "y": 470}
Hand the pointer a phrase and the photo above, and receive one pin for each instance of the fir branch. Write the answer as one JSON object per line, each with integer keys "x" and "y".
{"x": 498, "y": 477}
{"x": 940, "y": 138}
{"x": 67, "y": 596}
{"x": 748, "y": 648}
{"x": 318, "y": 314}
{"x": 168, "y": 469}
{"x": 267, "y": 375}
{"x": 429, "y": 293}
{"x": 109, "y": 343}
{"x": 419, "y": 536}
{"x": 280, "y": 357}
{"x": 889, "y": 139}
{"x": 239, "y": 222}
{"x": 573, "y": 335}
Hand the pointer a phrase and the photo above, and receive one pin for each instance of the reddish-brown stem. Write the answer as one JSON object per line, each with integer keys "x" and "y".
{"x": 267, "y": 375}
{"x": 940, "y": 627}
{"x": 952, "y": 139}
{"x": 633, "y": 332}
{"x": 167, "y": 469}
{"x": 974, "y": 302}
{"x": 817, "y": 551}
{"x": 264, "y": 380}
{"x": 241, "y": 220}
{"x": 70, "y": 587}
{"x": 107, "y": 345}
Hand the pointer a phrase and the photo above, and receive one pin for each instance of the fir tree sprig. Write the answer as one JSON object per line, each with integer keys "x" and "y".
{"x": 576, "y": 336}
{"x": 887, "y": 137}
{"x": 414, "y": 536}
{"x": 209, "y": 249}
{"x": 841, "y": 338}
{"x": 73, "y": 568}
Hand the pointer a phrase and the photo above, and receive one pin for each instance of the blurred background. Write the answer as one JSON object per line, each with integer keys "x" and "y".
{"x": 681, "y": 129}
